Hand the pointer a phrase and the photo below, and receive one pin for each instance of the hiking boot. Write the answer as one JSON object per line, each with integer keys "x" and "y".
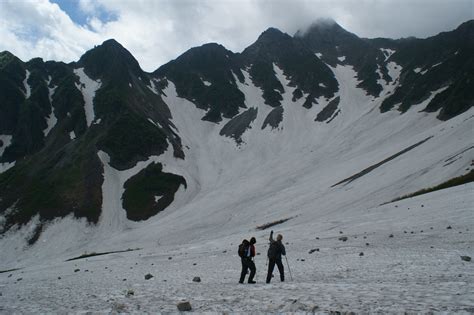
{"x": 252, "y": 282}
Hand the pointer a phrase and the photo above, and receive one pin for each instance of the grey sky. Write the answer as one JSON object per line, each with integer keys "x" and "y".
{"x": 158, "y": 31}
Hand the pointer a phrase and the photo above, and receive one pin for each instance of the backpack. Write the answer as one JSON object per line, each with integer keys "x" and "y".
{"x": 273, "y": 250}
{"x": 243, "y": 248}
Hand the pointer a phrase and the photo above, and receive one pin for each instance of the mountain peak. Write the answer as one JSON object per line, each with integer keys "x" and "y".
{"x": 320, "y": 27}
{"x": 109, "y": 55}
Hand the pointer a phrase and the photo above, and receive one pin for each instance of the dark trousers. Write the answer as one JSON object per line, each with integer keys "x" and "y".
{"x": 271, "y": 265}
{"x": 247, "y": 264}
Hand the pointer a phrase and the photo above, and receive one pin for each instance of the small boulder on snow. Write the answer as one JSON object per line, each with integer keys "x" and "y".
{"x": 148, "y": 276}
{"x": 466, "y": 258}
{"x": 184, "y": 306}
{"x": 196, "y": 279}
{"x": 343, "y": 238}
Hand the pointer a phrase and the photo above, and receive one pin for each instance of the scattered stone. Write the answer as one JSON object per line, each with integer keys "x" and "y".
{"x": 431, "y": 228}
{"x": 431, "y": 247}
{"x": 466, "y": 258}
{"x": 313, "y": 250}
{"x": 10, "y": 275}
{"x": 340, "y": 232}
{"x": 130, "y": 292}
{"x": 396, "y": 206}
{"x": 391, "y": 235}
{"x": 196, "y": 279}
{"x": 59, "y": 278}
{"x": 1, "y": 294}
{"x": 169, "y": 258}
{"x": 148, "y": 276}
{"x": 77, "y": 270}
{"x": 258, "y": 254}
{"x": 412, "y": 232}
{"x": 19, "y": 279}
{"x": 405, "y": 232}
{"x": 361, "y": 254}
{"x": 421, "y": 231}
{"x": 449, "y": 227}
{"x": 459, "y": 275}
{"x": 302, "y": 259}
{"x": 124, "y": 279}
{"x": 152, "y": 264}
{"x": 460, "y": 232}
{"x": 422, "y": 206}
{"x": 86, "y": 270}
{"x": 287, "y": 243}
{"x": 365, "y": 237}
{"x": 184, "y": 306}
{"x": 343, "y": 238}
{"x": 194, "y": 264}
{"x": 106, "y": 268}
{"x": 317, "y": 238}
{"x": 367, "y": 244}
{"x": 224, "y": 251}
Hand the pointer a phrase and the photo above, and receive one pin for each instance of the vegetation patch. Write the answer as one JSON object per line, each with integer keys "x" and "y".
{"x": 461, "y": 180}
{"x": 10, "y": 270}
{"x": 270, "y": 224}
{"x": 86, "y": 255}
{"x": 373, "y": 167}
{"x": 149, "y": 192}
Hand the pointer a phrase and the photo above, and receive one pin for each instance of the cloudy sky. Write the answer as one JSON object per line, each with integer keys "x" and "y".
{"x": 156, "y": 31}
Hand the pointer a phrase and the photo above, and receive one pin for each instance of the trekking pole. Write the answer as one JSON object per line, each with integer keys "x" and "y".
{"x": 289, "y": 270}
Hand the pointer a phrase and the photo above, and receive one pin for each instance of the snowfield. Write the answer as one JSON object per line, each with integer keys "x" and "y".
{"x": 403, "y": 256}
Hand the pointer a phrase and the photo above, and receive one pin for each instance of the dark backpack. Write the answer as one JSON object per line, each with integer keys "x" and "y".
{"x": 243, "y": 248}
{"x": 274, "y": 250}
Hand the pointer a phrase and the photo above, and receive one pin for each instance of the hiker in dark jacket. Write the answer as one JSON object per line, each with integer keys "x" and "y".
{"x": 274, "y": 257}
{"x": 247, "y": 260}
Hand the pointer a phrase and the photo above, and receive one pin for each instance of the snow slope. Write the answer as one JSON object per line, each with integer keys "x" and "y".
{"x": 288, "y": 172}
{"x": 88, "y": 87}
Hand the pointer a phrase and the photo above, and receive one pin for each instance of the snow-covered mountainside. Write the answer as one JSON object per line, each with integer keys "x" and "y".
{"x": 183, "y": 163}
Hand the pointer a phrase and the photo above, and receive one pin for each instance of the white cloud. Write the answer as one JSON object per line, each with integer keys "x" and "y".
{"x": 158, "y": 31}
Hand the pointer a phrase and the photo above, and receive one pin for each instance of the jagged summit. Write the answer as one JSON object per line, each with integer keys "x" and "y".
{"x": 109, "y": 59}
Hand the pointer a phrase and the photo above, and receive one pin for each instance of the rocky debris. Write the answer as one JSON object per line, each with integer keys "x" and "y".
{"x": 317, "y": 238}
{"x": 184, "y": 306}
{"x": 302, "y": 259}
{"x": 343, "y": 238}
{"x": 196, "y": 279}
{"x": 194, "y": 264}
{"x": 367, "y": 244}
{"x": 77, "y": 270}
{"x": 313, "y": 250}
{"x": 466, "y": 258}
{"x": 449, "y": 227}
{"x": 391, "y": 235}
{"x": 19, "y": 279}
{"x": 148, "y": 276}
{"x": 169, "y": 258}
{"x": 224, "y": 251}
{"x": 340, "y": 232}
{"x": 59, "y": 278}
{"x": 124, "y": 279}
{"x": 130, "y": 293}
{"x": 361, "y": 254}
